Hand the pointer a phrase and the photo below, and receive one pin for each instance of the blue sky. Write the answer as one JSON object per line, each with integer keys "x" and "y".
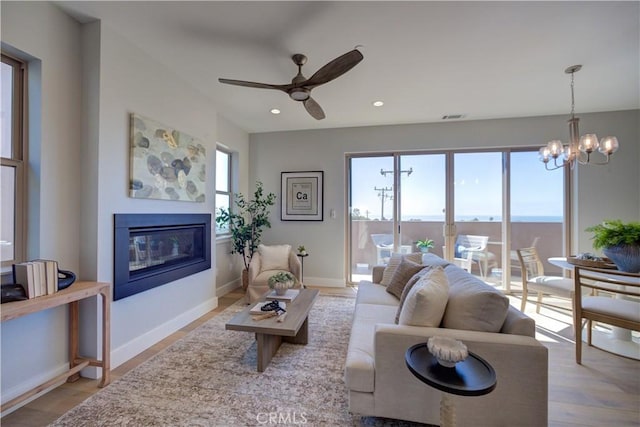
{"x": 477, "y": 186}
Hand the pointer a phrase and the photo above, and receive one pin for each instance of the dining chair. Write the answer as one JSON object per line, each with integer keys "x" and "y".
{"x": 614, "y": 300}
{"x": 534, "y": 279}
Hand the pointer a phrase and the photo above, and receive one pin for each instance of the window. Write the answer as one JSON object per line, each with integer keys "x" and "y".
{"x": 223, "y": 184}
{"x": 13, "y": 151}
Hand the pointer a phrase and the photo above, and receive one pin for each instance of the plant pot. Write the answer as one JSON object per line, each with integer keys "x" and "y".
{"x": 281, "y": 287}
{"x": 625, "y": 257}
{"x": 245, "y": 279}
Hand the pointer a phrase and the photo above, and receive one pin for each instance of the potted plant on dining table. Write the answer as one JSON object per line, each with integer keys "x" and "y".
{"x": 620, "y": 242}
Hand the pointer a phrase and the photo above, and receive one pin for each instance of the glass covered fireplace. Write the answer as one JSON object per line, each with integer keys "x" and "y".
{"x": 153, "y": 249}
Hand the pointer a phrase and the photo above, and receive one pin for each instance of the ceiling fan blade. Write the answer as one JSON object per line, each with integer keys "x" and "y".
{"x": 314, "y": 108}
{"x": 334, "y": 69}
{"x": 252, "y": 84}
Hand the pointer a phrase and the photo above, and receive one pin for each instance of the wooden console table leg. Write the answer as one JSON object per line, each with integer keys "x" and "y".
{"x": 106, "y": 339}
{"x": 74, "y": 322}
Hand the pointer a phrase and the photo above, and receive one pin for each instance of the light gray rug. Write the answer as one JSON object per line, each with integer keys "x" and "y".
{"x": 209, "y": 378}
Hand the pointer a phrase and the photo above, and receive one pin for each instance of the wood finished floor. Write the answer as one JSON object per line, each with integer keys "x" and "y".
{"x": 605, "y": 390}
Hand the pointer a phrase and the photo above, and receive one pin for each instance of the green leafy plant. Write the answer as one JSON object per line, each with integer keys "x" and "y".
{"x": 615, "y": 232}
{"x": 281, "y": 277}
{"x": 247, "y": 222}
{"x": 424, "y": 244}
{"x": 301, "y": 249}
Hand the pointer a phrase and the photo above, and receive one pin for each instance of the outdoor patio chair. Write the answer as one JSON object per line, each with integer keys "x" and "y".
{"x": 477, "y": 247}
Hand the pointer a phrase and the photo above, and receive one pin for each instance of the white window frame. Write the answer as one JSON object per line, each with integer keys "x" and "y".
{"x": 224, "y": 232}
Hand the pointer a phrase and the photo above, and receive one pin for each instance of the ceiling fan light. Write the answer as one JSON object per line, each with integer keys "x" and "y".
{"x": 300, "y": 94}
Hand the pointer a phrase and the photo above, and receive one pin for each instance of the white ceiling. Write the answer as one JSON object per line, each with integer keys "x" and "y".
{"x": 423, "y": 59}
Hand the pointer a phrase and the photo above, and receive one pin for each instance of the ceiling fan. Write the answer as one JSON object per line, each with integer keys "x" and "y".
{"x": 300, "y": 87}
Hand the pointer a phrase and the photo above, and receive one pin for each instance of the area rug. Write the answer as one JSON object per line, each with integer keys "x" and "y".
{"x": 209, "y": 378}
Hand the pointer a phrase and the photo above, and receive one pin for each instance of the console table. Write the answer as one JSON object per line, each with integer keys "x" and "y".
{"x": 472, "y": 377}
{"x": 71, "y": 296}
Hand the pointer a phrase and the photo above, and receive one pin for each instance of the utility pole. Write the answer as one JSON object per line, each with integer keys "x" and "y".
{"x": 384, "y": 172}
{"x": 382, "y": 193}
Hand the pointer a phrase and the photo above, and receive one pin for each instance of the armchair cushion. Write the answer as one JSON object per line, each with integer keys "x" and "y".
{"x": 427, "y": 300}
{"x": 274, "y": 257}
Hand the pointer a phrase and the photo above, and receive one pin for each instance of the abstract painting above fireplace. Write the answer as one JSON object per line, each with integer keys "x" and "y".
{"x": 154, "y": 249}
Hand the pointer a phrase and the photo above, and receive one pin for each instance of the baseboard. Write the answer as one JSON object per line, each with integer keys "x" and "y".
{"x": 30, "y": 384}
{"x": 137, "y": 345}
{"x": 325, "y": 281}
{"x": 228, "y": 287}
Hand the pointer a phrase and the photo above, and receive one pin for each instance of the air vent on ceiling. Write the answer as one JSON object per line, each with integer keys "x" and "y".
{"x": 452, "y": 116}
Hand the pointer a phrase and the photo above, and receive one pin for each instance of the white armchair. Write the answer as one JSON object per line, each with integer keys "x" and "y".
{"x": 267, "y": 261}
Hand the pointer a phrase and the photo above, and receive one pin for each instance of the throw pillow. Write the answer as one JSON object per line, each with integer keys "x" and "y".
{"x": 401, "y": 276}
{"x": 410, "y": 284}
{"x": 473, "y": 305}
{"x": 394, "y": 262}
{"x": 427, "y": 300}
{"x": 274, "y": 257}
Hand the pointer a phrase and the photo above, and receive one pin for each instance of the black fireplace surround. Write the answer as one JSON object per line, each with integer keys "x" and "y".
{"x": 153, "y": 249}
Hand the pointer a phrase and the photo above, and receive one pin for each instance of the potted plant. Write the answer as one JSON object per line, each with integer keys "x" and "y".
{"x": 281, "y": 282}
{"x": 302, "y": 250}
{"x": 424, "y": 245}
{"x": 620, "y": 242}
{"x": 246, "y": 223}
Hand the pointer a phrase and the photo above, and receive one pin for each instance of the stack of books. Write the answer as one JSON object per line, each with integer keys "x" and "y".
{"x": 38, "y": 278}
{"x": 289, "y": 296}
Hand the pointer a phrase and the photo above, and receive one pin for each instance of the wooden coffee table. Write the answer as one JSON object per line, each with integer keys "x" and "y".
{"x": 270, "y": 333}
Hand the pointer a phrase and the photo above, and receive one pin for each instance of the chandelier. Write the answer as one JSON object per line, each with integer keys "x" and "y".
{"x": 578, "y": 149}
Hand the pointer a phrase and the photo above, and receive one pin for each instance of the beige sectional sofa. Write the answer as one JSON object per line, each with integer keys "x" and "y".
{"x": 380, "y": 384}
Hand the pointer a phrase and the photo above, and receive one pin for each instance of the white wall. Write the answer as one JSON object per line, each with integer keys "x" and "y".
{"x": 602, "y": 191}
{"x": 92, "y": 79}
{"x": 35, "y": 347}
{"x": 229, "y": 267}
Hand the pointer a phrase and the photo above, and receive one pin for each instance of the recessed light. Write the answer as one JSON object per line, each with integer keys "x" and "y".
{"x": 377, "y": 103}
{"x": 275, "y": 111}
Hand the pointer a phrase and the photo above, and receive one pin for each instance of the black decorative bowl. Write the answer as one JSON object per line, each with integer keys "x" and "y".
{"x": 65, "y": 279}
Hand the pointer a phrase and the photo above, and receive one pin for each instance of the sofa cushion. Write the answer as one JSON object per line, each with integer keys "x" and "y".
{"x": 405, "y": 271}
{"x": 426, "y": 301}
{"x": 473, "y": 305}
{"x": 275, "y": 257}
{"x": 374, "y": 293}
{"x": 408, "y": 287}
{"x": 394, "y": 262}
{"x": 360, "y": 363}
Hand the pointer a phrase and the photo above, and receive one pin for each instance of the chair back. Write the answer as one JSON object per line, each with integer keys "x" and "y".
{"x": 382, "y": 240}
{"x": 530, "y": 263}
{"x": 468, "y": 241}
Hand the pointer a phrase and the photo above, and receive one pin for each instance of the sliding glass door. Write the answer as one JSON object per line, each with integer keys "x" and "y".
{"x": 477, "y": 207}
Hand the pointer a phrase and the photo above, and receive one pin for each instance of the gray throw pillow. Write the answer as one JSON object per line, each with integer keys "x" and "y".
{"x": 394, "y": 262}
{"x": 405, "y": 271}
{"x": 414, "y": 279}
